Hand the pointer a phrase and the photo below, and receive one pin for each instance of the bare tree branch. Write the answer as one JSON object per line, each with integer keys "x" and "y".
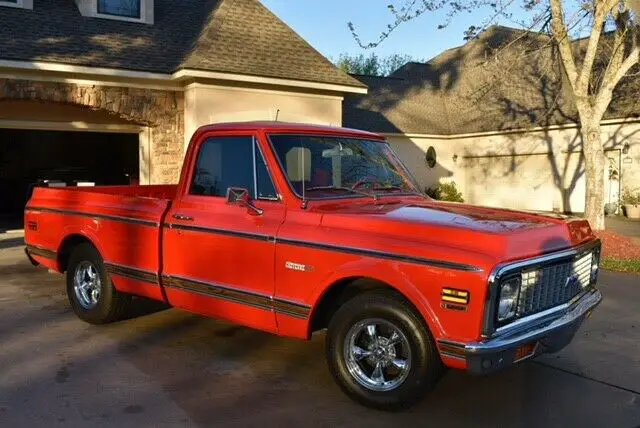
{"x": 606, "y": 91}
{"x": 602, "y": 9}
{"x": 620, "y": 17}
{"x": 560, "y": 33}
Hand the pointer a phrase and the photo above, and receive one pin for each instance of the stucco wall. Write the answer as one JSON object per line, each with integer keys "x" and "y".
{"x": 215, "y": 104}
{"x": 537, "y": 170}
{"x": 412, "y": 152}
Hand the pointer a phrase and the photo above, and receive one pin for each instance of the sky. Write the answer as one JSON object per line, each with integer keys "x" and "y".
{"x": 323, "y": 23}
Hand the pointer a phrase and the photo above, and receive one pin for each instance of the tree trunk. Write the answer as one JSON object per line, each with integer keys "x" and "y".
{"x": 594, "y": 173}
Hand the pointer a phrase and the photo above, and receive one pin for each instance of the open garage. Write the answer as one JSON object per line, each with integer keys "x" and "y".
{"x": 30, "y": 157}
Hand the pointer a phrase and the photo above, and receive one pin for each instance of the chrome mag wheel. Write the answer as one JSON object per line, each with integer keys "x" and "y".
{"x": 87, "y": 284}
{"x": 377, "y": 354}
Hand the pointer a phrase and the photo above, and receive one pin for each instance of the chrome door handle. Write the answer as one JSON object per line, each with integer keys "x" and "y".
{"x": 182, "y": 217}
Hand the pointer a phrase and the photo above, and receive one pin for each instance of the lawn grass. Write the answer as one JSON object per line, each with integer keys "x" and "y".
{"x": 618, "y": 265}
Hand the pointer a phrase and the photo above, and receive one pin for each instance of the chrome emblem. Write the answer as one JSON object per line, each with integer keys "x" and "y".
{"x": 298, "y": 266}
{"x": 572, "y": 281}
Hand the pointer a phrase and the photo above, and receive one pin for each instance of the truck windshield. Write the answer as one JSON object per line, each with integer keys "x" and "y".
{"x": 322, "y": 167}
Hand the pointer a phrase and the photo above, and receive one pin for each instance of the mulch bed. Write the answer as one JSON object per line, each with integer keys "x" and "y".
{"x": 619, "y": 253}
{"x": 617, "y": 246}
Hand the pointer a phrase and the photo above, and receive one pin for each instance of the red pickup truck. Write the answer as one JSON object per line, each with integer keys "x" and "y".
{"x": 292, "y": 229}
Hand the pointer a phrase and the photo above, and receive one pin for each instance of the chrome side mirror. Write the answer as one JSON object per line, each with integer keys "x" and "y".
{"x": 239, "y": 196}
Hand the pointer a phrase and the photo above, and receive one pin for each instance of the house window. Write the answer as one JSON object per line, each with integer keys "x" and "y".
{"x": 24, "y": 4}
{"x": 124, "y": 8}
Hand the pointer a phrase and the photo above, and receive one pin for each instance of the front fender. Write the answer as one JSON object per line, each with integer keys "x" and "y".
{"x": 394, "y": 274}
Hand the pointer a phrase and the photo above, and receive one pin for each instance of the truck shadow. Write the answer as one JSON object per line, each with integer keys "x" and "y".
{"x": 217, "y": 373}
{"x": 11, "y": 242}
{"x": 222, "y": 374}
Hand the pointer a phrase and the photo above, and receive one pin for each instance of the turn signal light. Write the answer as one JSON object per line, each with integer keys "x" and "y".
{"x": 453, "y": 295}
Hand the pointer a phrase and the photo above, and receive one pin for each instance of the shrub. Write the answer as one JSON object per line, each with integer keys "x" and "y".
{"x": 629, "y": 197}
{"x": 445, "y": 192}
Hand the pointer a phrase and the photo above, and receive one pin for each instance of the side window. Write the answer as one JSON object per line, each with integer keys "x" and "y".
{"x": 233, "y": 161}
{"x": 224, "y": 162}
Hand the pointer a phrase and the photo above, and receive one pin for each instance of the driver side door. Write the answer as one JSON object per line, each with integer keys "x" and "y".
{"x": 219, "y": 256}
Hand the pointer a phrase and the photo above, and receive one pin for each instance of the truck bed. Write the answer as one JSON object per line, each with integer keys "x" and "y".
{"x": 124, "y": 222}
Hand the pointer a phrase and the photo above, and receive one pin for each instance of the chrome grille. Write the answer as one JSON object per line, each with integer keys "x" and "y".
{"x": 549, "y": 286}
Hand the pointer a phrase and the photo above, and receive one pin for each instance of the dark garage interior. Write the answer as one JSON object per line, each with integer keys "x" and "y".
{"x": 29, "y": 157}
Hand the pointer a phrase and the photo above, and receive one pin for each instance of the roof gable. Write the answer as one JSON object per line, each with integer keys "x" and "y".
{"x": 229, "y": 36}
{"x": 243, "y": 36}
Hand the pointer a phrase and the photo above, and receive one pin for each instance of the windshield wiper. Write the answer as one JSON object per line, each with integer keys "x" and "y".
{"x": 404, "y": 189}
{"x": 348, "y": 189}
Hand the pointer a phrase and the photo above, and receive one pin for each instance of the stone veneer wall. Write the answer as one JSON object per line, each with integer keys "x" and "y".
{"x": 162, "y": 111}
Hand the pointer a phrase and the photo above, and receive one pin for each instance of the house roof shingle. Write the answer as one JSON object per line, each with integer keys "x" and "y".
{"x": 463, "y": 91}
{"x": 230, "y": 36}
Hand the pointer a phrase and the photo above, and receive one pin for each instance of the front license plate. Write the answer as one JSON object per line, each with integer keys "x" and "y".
{"x": 525, "y": 351}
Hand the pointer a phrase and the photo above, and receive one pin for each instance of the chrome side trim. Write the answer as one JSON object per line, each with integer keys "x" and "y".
{"x": 260, "y": 301}
{"x": 131, "y": 273}
{"x": 381, "y": 255}
{"x": 503, "y": 269}
{"x": 226, "y": 232}
{"x": 93, "y": 215}
{"x": 33, "y": 250}
{"x": 448, "y": 355}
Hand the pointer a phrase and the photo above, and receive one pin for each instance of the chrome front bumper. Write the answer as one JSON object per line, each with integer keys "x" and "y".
{"x": 547, "y": 333}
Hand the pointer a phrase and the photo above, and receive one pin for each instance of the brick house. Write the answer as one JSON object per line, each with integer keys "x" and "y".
{"x": 110, "y": 91}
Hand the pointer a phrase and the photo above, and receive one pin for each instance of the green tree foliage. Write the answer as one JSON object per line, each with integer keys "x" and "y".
{"x": 445, "y": 192}
{"x": 372, "y": 64}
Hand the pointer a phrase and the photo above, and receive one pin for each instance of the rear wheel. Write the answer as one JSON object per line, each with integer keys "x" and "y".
{"x": 90, "y": 290}
{"x": 380, "y": 352}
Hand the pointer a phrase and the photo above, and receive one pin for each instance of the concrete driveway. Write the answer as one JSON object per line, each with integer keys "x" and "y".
{"x": 169, "y": 368}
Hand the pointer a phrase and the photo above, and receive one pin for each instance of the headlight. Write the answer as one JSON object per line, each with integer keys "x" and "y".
{"x": 508, "y": 302}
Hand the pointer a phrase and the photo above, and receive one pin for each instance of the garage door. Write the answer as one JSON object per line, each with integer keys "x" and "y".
{"x": 536, "y": 181}
{"x": 519, "y": 182}
{"x": 28, "y": 157}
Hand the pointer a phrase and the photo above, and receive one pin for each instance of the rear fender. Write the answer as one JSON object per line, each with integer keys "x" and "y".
{"x": 86, "y": 232}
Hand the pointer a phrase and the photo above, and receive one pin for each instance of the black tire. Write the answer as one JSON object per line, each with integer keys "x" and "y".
{"x": 110, "y": 305}
{"x": 425, "y": 368}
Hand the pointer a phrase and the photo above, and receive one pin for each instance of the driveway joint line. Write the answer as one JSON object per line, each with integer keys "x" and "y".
{"x": 602, "y": 382}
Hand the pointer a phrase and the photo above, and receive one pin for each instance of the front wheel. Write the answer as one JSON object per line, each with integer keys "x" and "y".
{"x": 380, "y": 352}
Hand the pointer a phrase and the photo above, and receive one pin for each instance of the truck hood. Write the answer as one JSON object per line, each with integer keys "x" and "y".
{"x": 500, "y": 234}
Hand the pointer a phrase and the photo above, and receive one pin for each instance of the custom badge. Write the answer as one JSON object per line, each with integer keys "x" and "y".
{"x": 298, "y": 266}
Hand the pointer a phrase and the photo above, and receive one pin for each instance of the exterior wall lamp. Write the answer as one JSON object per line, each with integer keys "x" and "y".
{"x": 625, "y": 148}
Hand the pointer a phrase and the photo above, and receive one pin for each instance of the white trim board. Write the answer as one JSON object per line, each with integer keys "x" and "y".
{"x": 263, "y": 91}
{"x": 70, "y": 126}
{"x": 187, "y": 73}
{"x": 606, "y": 122}
{"x": 79, "y": 69}
{"x": 87, "y": 82}
{"x": 184, "y": 75}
